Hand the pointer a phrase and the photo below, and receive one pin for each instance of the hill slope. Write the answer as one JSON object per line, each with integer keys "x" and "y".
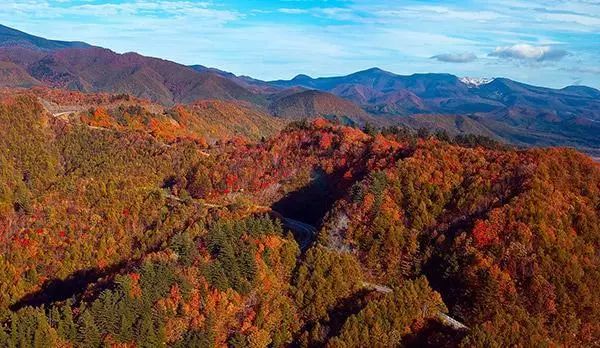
{"x": 13, "y": 75}
{"x": 96, "y": 69}
{"x": 298, "y": 104}
{"x": 114, "y": 236}
{"x": 10, "y": 37}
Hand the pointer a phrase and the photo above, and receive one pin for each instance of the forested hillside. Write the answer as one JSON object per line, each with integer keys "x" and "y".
{"x": 127, "y": 224}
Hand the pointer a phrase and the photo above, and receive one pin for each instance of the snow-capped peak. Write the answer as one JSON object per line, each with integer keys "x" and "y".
{"x": 473, "y": 82}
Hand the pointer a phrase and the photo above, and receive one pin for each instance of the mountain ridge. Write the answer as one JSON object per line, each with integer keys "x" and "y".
{"x": 375, "y": 71}
{"x": 512, "y": 111}
{"x": 10, "y": 36}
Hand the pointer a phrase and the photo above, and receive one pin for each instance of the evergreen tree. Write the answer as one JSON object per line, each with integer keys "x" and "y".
{"x": 88, "y": 334}
{"x": 66, "y": 327}
{"x": 147, "y": 333}
{"x": 44, "y": 336}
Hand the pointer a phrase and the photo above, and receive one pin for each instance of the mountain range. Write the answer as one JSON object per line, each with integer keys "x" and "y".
{"x": 500, "y": 108}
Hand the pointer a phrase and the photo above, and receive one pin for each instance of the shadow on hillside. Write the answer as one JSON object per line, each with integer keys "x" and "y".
{"x": 444, "y": 266}
{"x": 348, "y": 307}
{"x": 337, "y": 316}
{"x": 433, "y": 334}
{"x": 91, "y": 281}
{"x": 310, "y": 203}
{"x": 57, "y": 290}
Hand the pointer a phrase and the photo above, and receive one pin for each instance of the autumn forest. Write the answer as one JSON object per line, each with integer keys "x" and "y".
{"x": 124, "y": 223}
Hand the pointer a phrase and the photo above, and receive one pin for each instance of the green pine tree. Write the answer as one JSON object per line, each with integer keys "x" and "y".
{"x": 88, "y": 334}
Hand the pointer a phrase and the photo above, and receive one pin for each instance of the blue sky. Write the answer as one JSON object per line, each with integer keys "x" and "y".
{"x": 546, "y": 42}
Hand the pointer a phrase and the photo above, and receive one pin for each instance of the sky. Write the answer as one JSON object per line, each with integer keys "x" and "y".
{"x": 551, "y": 43}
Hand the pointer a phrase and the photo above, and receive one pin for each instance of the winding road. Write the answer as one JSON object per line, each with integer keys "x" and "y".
{"x": 64, "y": 113}
{"x": 304, "y": 233}
{"x": 442, "y": 317}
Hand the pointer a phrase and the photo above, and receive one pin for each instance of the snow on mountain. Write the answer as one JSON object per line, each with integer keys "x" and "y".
{"x": 473, "y": 82}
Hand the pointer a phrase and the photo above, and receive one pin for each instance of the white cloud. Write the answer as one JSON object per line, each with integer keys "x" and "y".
{"x": 402, "y": 36}
{"x": 529, "y": 52}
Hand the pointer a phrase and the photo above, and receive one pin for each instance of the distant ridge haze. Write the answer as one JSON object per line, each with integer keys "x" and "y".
{"x": 507, "y": 110}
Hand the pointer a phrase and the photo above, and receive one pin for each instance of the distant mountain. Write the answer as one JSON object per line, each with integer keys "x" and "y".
{"x": 93, "y": 69}
{"x": 28, "y": 60}
{"x": 507, "y": 110}
{"x": 10, "y": 37}
{"x": 383, "y": 92}
{"x": 582, "y": 91}
{"x": 296, "y": 104}
{"x": 257, "y": 86}
{"x": 204, "y": 69}
{"x": 377, "y": 89}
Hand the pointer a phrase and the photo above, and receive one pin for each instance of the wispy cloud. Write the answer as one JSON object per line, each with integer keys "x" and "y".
{"x": 537, "y": 41}
{"x": 585, "y": 69}
{"x": 293, "y": 10}
{"x": 439, "y": 13}
{"x": 112, "y": 11}
{"x": 466, "y": 57}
